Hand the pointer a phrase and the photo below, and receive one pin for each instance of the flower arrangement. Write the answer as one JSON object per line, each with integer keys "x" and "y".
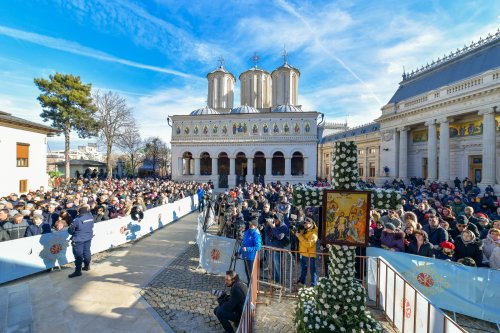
{"x": 385, "y": 199}
{"x": 345, "y": 165}
{"x": 337, "y": 303}
{"x": 308, "y": 196}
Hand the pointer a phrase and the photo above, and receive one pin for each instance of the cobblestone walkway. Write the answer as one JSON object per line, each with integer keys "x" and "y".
{"x": 181, "y": 295}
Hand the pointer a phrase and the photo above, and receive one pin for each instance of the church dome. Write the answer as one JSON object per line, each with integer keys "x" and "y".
{"x": 203, "y": 111}
{"x": 244, "y": 109}
{"x": 286, "y": 108}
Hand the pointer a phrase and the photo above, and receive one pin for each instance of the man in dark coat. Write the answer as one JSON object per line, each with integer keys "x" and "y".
{"x": 82, "y": 230}
{"x": 435, "y": 232}
{"x": 231, "y": 306}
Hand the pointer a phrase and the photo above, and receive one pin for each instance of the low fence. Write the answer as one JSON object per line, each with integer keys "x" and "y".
{"x": 405, "y": 306}
{"x": 248, "y": 314}
{"x": 467, "y": 290}
{"x": 26, "y": 256}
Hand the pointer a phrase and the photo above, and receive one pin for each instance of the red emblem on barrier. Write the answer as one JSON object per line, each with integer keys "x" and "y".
{"x": 406, "y": 306}
{"x": 425, "y": 280}
{"x": 55, "y": 248}
{"x": 215, "y": 254}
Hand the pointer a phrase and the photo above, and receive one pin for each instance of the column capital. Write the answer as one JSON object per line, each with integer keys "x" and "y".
{"x": 444, "y": 120}
{"x": 403, "y": 129}
{"x": 488, "y": 111}
{"x": 430, "y": 122}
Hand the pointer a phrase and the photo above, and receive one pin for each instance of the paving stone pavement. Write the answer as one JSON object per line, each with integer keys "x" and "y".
{"x": 181, "y": 295}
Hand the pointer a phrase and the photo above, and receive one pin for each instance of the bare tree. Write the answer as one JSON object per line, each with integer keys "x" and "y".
{"x": 132, "y": 146}
{"x": 155, "y": 149}
{"x": 115, "y": 120}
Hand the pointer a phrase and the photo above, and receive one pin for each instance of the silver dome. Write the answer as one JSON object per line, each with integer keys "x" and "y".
{"x": 203, "y": 111}
{"x": 244, "y": 109}
{"x": 286, "y": 108}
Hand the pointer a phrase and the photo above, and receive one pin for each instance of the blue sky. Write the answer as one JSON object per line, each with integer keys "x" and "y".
{"x": 157, "y": 53}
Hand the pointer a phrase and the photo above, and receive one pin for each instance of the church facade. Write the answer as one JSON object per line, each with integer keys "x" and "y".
{"x": 268, "y": 138}
{"x": 442, "y": 122}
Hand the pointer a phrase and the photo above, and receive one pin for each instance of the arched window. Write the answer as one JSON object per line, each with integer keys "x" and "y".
{"x": 297, "y": 164}
{"x": 187, "y": 164}
{"x": 278, "y": 165}
{"x": 205, "y": 164}
{"x": 259, "y": 164}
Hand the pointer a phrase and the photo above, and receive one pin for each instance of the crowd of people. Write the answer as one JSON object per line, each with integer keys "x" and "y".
{"x": 459, "y": 223}
{"x": 39, "y": 212}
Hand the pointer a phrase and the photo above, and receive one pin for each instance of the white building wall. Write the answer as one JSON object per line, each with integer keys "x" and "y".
{"x": 35, "y": 173}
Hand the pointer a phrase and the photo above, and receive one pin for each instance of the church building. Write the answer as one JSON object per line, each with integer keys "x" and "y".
{"x": 267, "y": 138}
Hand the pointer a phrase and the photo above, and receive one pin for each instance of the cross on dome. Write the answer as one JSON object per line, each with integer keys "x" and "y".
{"x": 255, "y": 59}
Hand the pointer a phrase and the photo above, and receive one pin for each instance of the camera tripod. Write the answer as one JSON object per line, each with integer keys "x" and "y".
{"x": 209, "y": 211}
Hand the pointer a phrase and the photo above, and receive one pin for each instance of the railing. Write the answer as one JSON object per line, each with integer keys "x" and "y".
{"x": 248, "y": 314}
{"x": 404, "y": 306}
{"x": 285, "y": 282}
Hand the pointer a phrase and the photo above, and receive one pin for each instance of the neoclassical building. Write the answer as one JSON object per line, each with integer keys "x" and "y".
{"x": 443, "y": 120}
{"x": 458, "y": 95}
{"x": 268, "y": 136}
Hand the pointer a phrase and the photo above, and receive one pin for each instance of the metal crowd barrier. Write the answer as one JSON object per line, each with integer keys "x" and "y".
{"x": 248, "y": 314}
{"x": 285, "y": 283}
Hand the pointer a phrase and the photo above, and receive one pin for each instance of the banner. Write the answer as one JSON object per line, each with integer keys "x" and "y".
{"x": 25, "y": 256}
{"x": 467, "y": 290}
{"x": 215, "y": 253}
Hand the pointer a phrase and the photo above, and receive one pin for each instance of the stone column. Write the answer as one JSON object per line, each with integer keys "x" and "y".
{"x": 365, "y": 168}
{"x": 232, "y": 172}
{"x": 187, "y": 168}
{"x": 180, "y": 166}
{"x": 250, "y": 169}
{"x": 215, "y": 171}
{"x": 305, "y": 165}
{"x": 489, "y": 147}
{"x": 269, "y": 161}
{"x": 403, "y": 153}
{"x": 288, "y": 166}
{"x": 444, "y": 149}
{"x": 197, "y": 166}
{"x": 431, "y": 150}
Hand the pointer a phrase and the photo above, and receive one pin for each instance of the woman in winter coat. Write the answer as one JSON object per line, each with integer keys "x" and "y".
{"x": 393, "y": 239}
{"x": 467, "y": 245}
{"x": 489, "y": 244}
{"x": 421, "y": 246}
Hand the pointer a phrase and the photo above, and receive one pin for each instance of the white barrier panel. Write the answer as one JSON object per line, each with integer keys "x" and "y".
{"x": 216, "y": 253}
{"x": 422, "y": 314}
{"x": 25, "y": 256}
{"x": 398, "y": 308}
{"x": 383, "y": 285}
{"x": 408, "y": 306}
{"x": 372, "y": 278}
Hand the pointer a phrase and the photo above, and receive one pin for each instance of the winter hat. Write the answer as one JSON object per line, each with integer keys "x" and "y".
{"x": 447, "y": 245}
{"x": 390, "y": 226}
{"x": 462, "y": 219}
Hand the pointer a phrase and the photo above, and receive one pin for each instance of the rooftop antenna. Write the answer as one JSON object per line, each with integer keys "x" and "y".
{"x": 255, "y": 59}
{"x": 221, "y": 61}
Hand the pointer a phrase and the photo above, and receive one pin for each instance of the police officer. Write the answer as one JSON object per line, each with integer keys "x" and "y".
{"x": 82, "y": 231}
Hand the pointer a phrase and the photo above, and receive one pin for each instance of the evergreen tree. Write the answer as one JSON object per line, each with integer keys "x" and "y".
{"x": 337, "y": 303}
{"x": 67, "y": 102}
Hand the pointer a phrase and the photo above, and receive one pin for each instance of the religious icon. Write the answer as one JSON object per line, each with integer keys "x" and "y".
{"x": 245, "y": 128}
{"x": 215, "y": 129}
{"x": 235, "y": 128}
{"x": 196, "y": 130}
{"x": 177, "y": 130}
{"x": 276, "y": 129}
{"x": 286, "y": 128}
{"x": 346, "y": 217}
{"x": 297, "y": 128}
{"x": 186, "y": 130}
{"x": 205, "y": 129}
{"x": 265, "y": 128}
{"x": 224, "y": 129}
{"x": 255, "y": 129}
{"x": 307, "y": 127}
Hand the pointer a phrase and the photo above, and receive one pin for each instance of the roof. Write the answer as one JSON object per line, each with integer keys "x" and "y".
{"x": 287, "y": 66}
{"x": 286, "y": 108}
{"x": 203, "y": 111}
{"x": 26, "y": 124}
{"x": 221, "y": 69}
{"x": 254, "y": 69}
{"x": 244, "y": 109}
{"x": 82, "y": 163}
{"x": 468, "y": 63}
{"x": 363, "y": 129}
